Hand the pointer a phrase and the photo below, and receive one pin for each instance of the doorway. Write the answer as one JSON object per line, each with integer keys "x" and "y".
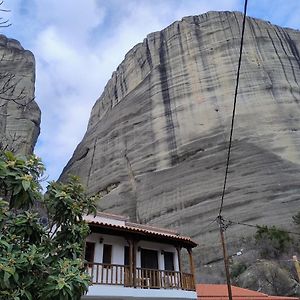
{"x": 149, "y": 264}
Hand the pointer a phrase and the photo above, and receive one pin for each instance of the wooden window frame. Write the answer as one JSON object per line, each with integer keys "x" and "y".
{"x": 166, "y": 253}
{"x": 93, "y": 252}
{"x": 107, "y": 246}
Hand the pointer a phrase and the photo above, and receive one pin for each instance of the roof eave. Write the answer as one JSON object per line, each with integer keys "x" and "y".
{"x": 176, "y": 241}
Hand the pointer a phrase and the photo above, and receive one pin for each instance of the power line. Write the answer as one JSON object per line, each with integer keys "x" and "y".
{"x": 230, "y": 222}
{"x": 234, "y": 107}
{"x": 219, "y": 217}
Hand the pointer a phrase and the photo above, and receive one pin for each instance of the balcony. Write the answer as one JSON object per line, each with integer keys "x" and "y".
{"x": 121, "y": 275}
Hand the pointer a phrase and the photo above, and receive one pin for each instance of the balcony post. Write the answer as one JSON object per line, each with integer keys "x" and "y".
{"x": 134, "y": 262}
{"x": 192, "y": 266}
{"x": 179, "y": 265}
{"x": 130, "y": 262}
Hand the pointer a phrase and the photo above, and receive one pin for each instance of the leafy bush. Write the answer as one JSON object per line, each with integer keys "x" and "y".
{"x": 237, "y": 269}
{"x": 40, "y": 261}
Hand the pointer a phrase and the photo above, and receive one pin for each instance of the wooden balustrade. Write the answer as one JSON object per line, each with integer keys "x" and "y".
{"x": 113, "y": 274}
{"x": 108, "y": 274}
{"x": 188, "y": 282}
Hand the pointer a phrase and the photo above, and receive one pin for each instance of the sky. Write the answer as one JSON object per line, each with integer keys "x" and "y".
{"x": 78, "y": 44}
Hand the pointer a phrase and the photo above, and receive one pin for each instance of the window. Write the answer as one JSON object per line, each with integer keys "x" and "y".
{"x": 89, "y": 251}
{"x": 149, "y": 259}
{"x": 126, "y": 256}
{"x": 169, "y": 261}
{"x": 107, "y": 250}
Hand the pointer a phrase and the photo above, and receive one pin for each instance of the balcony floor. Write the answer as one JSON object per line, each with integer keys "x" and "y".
{"x": 98, "y": 291}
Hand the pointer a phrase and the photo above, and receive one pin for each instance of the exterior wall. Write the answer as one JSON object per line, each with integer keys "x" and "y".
{"x": 118, "y": 244}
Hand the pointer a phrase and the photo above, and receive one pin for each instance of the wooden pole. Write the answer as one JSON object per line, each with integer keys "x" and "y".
{"x": 179, "y": 264}
{"x": 225, "y": 257}
{"x": 297, "y": 266}
{"x": 134, "y": 262}
{"x": 192, "y": 266}
{"x": 130, "y": 263}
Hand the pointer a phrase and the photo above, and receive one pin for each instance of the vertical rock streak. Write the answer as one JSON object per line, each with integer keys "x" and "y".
{"x": 163, "y": 76}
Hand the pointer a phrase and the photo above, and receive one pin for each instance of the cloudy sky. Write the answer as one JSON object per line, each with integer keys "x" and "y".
{"x": 78, "y": 44}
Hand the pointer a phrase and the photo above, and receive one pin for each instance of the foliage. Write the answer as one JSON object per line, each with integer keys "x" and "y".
{"x": 272, "y": 241}
{"x": 237, "y": 269}
{"x": 269, "y": 277}
{"x": 40, "y": 261}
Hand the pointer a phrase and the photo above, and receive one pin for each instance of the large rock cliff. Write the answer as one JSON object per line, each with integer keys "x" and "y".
{"x": 157, "y": 138}
{"x": 20, "y": 115}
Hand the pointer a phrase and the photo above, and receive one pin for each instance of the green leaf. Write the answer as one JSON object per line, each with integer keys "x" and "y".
{"x": 10, "y": 155}
{"x": 25, "y": 184}
{"x": 17, "y": 189}
{"x": 2, "y": 165}
{"x": 4, "y": 243}
{"x": 16, "y": 277}
{"x": 9, "y": 270}
{"x": 6, "y": 279}
{"x": 28, "y": 295}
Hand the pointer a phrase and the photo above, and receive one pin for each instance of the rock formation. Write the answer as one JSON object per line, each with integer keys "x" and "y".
{"x": 157, "y": 138}
{"x": 20, "y": 115}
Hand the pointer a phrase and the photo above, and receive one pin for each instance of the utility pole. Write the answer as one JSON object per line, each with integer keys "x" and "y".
{"x": 225, "y": 256}
{"x": 297, "y": 266}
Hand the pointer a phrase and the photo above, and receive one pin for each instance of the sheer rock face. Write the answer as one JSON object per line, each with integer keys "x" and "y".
{"x": 157, "y": 138}
{"x": 20, "y": 115}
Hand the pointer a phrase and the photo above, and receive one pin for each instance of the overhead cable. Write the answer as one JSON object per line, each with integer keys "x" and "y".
{"x": 230, "y": 222}
{"x": 234, "y": 108}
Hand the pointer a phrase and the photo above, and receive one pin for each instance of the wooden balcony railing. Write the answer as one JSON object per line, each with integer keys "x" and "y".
{"x": 113, "y": 274}
{"x": 108, "y": 273}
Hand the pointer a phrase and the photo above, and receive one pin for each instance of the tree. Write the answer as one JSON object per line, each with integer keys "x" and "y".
{"x": 272, "y": 241}
{"x": 41, "y": 260}
{"x": 4, "y": 22}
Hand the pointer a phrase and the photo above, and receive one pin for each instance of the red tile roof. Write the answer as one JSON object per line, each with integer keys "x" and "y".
{"x": 220, "y": 292}
{"x": 142, "y": 229}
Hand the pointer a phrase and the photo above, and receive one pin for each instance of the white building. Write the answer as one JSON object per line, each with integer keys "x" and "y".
{"x": 133, "y": 261}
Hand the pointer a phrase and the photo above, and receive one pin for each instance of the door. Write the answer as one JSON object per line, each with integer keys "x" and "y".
{"x": 127, "y": 274}
{"x": 89, "y": 252}
{"x": 89, "y": 257}
{"x": 149, "y": 264}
